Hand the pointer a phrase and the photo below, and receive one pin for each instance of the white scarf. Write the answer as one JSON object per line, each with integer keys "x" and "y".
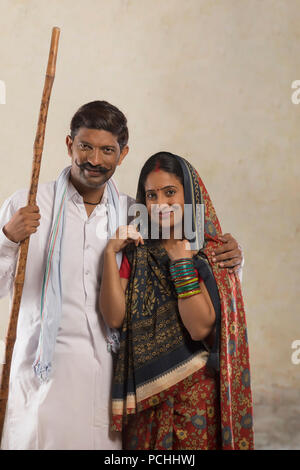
{"x": 51, "y": 298}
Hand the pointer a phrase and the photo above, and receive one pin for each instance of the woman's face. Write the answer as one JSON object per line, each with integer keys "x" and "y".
{"x": 164, "y": 198}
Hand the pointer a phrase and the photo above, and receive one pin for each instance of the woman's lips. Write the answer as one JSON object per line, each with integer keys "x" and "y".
{"x": 163, "y": 215}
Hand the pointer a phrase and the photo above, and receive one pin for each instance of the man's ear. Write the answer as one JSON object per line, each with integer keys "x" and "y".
{"x": 69, "y": 143}
{"x": 123, "y": 154}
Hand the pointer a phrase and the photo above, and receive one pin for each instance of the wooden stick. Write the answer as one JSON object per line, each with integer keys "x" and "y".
{"x": 23, "y": 251}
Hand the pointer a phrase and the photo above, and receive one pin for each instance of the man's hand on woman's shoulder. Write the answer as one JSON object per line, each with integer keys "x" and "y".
{"x": 229, "y": 255}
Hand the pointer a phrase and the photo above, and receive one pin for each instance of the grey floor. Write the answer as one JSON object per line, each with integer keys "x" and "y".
{"x": 277, "y": 423}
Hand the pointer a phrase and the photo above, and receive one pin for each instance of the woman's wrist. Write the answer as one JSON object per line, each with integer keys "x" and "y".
{"x": 185, "y": 280}
{"x": 110, "y": 249}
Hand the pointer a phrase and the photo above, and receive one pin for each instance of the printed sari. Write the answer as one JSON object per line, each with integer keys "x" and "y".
{"x": 171, "y": 392}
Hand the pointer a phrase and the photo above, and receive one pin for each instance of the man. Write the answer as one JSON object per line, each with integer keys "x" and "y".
{"x": 60, "y": 330}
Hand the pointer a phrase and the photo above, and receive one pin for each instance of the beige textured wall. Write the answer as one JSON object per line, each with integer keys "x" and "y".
{"x": 211, "y": 81}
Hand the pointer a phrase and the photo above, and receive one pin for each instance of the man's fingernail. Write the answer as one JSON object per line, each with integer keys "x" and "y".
{"x": 221, "y": 264}
{"x": 214, "y": 260}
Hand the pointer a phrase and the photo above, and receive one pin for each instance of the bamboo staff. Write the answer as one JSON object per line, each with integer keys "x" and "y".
{"x": 23, "y": 251}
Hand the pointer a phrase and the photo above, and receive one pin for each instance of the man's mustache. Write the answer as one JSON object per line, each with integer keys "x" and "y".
{"x": 88, "y": 166}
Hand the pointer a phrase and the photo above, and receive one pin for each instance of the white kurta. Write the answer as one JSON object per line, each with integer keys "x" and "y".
{"x": 72, "y": 410}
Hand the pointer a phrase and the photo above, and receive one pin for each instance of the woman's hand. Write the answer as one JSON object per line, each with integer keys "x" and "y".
{"x": 180, "y": 249}
{"x": 124, "y": 235}
{"x": 113, "y": 307}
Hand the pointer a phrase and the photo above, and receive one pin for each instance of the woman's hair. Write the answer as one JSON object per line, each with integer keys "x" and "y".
{"x": 103, "y": 116}
{"x": 160, "y": 161}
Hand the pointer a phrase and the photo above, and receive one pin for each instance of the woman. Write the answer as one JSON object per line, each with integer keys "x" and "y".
{"x": 182, "y": 377}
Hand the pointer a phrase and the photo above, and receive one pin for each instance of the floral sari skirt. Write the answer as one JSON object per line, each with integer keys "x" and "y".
{"x": 188, "y": 418}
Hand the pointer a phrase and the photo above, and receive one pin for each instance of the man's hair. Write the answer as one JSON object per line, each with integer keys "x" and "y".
{"x": 103, "y": 116}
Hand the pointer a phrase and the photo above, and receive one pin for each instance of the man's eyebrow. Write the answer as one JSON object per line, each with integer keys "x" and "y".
{"x": 102, "y": 146}
{"x": 85, "y": 143}
{"x": 165, "y": 187}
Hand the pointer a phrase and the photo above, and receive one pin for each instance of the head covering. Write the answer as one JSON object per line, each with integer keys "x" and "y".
{"x": 156, "y": 351}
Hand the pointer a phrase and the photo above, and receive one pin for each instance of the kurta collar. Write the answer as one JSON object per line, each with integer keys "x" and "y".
{"x": 77, "y": 198}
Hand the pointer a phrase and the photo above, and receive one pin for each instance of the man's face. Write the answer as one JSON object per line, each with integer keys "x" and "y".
{"x": 95, "y": 154}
